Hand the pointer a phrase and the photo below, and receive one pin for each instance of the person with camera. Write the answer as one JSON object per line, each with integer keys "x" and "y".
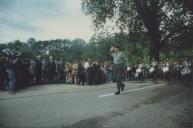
{"x": 11, "y": 59}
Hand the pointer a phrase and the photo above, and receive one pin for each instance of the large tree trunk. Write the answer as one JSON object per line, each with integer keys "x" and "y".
{"x": 155, "y": 39}
{"x": 151, "y": 21}
{"x": 154, "y": 50}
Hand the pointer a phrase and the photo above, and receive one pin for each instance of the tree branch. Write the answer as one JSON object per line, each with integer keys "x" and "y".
{"x": 175, "y": 31}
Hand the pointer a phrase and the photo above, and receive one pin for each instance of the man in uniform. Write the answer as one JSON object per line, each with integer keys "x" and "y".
{"x": 120, "y": 62}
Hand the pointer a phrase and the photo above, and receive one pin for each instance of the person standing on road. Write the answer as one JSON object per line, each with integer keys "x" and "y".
{"x": 2, "y": 71}
{"x": 120, "y": 62}
{"x": 38, "y": 71}
{"x": 81, "y": 74}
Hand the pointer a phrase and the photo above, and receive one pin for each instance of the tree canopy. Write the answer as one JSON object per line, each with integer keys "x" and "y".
{"x": 162, "y": 20}
{"x": 148, "y": 29}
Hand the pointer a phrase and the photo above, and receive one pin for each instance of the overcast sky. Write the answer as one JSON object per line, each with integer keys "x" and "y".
{"x": 43, "y": 20}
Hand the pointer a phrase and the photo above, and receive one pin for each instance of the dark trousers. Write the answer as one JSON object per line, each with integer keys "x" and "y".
{"x": 81, "y": 79}
{"x": 155, "y": 75}
{"x": 38, "y": 77}
{"x": 3, "y": 77}
{"x": 119, "y": 69}
{"x": 51, "y": 74}
{"x": 90, "y": 79}
{"x": 44, "y": 75}
{"x": 141, "y": 76}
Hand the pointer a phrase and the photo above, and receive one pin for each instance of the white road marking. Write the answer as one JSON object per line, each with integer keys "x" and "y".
{"x": 137, "y": 89}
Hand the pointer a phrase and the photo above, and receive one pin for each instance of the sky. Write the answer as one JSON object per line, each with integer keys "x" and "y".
{"x": 43, "y": 20}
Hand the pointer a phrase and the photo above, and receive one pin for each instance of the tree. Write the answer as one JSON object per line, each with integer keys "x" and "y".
{"x": 187, "y": 3}
{"x": 163, "y": 20}
{"x": 76, "y": 49}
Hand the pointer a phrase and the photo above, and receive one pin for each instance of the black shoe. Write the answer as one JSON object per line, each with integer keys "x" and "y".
{"x": 117, "y": 93}
{"x": 123, "y": 87}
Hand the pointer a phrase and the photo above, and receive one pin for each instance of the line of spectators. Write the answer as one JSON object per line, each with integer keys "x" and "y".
{"x": 181, "y": 71}
{"x": 91, "y": 73}
{"x": 17, "y": 71}
{"x": 94, "y": 73}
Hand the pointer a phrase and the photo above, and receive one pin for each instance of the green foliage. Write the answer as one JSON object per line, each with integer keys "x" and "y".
{"x": 134, "y": 45}
{"x": 158, "y": 29}
{"x": 164, "y": 20}
{"x": 59, "y": 49}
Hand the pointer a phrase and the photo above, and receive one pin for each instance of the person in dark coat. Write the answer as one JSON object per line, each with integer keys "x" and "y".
{"x": 61, "y": 70}
{"x": 2, "y": 71}
{"x": 18, "y": 68}
{"x": 90, "y": 74}
{"x": 51, "y": 69}
{"x": 95, "y": 73}
{"x": 97, "y": 78}
{"x": 81, "y": 74}
{"x": 38, "y": 71}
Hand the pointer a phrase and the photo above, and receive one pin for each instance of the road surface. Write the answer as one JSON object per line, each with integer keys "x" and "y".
{"x": 142, "y": 105}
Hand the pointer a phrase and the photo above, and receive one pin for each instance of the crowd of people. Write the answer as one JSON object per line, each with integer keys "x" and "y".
{"x": 91, "y": 73}
{"x": 17, "y": 71}
{"x": 180, "y": 71}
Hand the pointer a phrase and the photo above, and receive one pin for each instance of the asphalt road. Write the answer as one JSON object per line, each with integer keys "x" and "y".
{"x": 142, "y": 105}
